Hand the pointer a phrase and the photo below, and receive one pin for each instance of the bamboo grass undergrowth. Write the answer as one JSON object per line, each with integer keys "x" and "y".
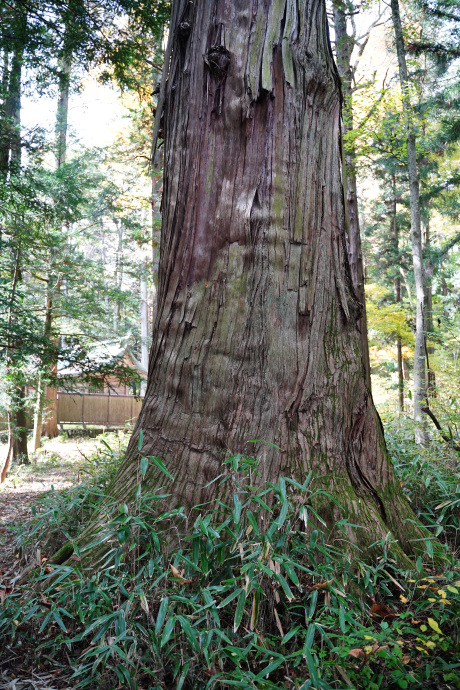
{"x": 240, "y": 602}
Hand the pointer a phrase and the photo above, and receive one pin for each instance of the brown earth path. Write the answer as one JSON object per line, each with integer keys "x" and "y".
{"x": 57, "y": 465}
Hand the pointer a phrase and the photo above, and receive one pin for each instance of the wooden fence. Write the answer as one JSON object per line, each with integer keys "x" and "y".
{"x": 97, "y": 409}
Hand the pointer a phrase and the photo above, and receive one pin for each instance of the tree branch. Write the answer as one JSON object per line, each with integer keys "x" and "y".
{"x": 444, "y": 436}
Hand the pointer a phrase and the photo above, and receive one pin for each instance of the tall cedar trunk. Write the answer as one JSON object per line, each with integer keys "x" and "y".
{"x": 50, "y": 428}
{"x": 41, "y": 390}
{"x": 256, "y": 333}
{"x": 416, "y": 234}
{"x": 10, "y": 161}
{"x": 431, "y": 378}
{"x": 12, "y": 417}
{"x": 398, "y": 300}
{"x": 344, "y": 45}
{"x": 144, "y": 315}
{"x": 21, "y": 427}
{"x": 118, "y": 276}
{"x": 10, "y": 145}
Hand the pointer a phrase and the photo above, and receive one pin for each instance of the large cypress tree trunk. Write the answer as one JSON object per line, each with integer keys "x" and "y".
{"x": 256, "y": 333}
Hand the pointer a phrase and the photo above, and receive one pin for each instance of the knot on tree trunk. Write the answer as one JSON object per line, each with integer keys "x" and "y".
{"x": 184, "y": 30}
{"x": 217, "y": 59}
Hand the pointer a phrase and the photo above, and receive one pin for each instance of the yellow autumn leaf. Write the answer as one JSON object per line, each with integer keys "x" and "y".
{"x": 431, "y": 599}
{"x": 430, "y": 644}
{"x": 442, "y": 593}
{"x": 454, "y": 590}
{"x": 433, "y": 624}
{"x": 445, "y": 601}
{"x": 368, "y": 637}
{"x": 403, "y": 599}
{"x": 368, "y": 649}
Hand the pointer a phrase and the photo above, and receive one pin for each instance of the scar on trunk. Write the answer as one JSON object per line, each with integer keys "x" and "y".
{"x": 217, "y": 59}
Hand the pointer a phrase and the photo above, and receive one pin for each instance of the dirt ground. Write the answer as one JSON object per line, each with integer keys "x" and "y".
{"x": 59, "y": 464}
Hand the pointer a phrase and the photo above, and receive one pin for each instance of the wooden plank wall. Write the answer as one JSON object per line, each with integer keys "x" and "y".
{"x": 103, "y": 410}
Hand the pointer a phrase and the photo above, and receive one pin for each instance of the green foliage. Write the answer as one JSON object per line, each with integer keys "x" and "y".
{"x": 61, "y": 515}
{"x": 250, "y": 594}
{"x": 430, "y": 478}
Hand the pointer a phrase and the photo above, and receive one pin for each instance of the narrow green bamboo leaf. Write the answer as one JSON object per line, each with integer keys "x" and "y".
{"x": 159, "y": 463}
{"x": 236, "y": 509}
{"x": 183, "y": 676}
{"x": 59, "y": 621}
{"x": 228, "y": 599}
{"x": 268, "y": 669}
{"x": 239, "y": 610}
{"x": 191, "y": 636}
{"x": 253, "y": 522}
{"x": 314, "y": 599}
{"x": 168, "y": 631}
{"x": 291, "y": 573}
{"x": 161, "y": 615}
{"x": 290, "y": 634}
{"x": 143, "y": 466}
{"x": 310, "y": 636}
{"x": 312, "y": 668}
{"x": 287, "y": 590}
{"x": 283, "y": 513}
{"x": 140, "y": 440}
{"x": 343, "y": 625}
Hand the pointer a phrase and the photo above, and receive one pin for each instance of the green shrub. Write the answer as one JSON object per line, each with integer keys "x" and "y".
{"x": 430, "y": 478}
{"x": 61, "y": 515}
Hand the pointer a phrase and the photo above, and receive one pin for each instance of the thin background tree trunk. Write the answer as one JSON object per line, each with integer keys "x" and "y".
{"x": 416, "y": 234}
{"x": 10, "y": 162}
{"x": 431, "y": 378}
{"x": 49, "y": 393}
{"x": 398, "y": 299}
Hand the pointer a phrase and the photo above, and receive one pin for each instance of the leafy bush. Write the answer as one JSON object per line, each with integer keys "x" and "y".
{"x": 245, "y": 598}
{"x": 430, "y": 478}
{"x": 60, "y": 515}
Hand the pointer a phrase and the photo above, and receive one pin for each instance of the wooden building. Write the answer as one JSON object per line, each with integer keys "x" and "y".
{"x": 114, "y": 405}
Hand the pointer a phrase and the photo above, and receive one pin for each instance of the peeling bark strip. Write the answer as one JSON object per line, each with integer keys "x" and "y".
{"x": 255, "y": 334}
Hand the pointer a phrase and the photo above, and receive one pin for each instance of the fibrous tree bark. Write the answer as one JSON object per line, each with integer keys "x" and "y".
{"x": 256, "y": 334}
{"x": 416, "y": 232}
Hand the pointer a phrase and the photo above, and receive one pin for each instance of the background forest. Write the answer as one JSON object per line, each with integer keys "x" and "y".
{"x": 80, "y": 217}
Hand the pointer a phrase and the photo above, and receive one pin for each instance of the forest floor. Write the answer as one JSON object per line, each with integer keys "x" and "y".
{"x": 56, "y": 466}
